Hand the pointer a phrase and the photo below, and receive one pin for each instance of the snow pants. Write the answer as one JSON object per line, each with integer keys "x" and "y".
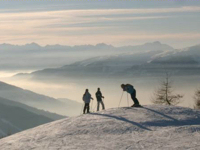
{"x": 135, "y": 100}
{"x": 102, "y": 104}
{"x": 87, "y": 106}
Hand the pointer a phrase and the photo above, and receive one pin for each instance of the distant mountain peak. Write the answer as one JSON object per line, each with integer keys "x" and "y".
{"x": 5, "y": 44}
{"x": 103, "y": 45}
{"x": 33, "y": 44}
{"x": 159, "y": 45}
{"x": 157, "y": 42}
{"x": 154, "y": 43}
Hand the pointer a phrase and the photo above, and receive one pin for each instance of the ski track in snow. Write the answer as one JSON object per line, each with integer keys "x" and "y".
{"x": 151, "y": 127}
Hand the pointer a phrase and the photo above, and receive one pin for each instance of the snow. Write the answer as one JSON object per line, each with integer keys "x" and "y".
{"x": 150, "y": 127}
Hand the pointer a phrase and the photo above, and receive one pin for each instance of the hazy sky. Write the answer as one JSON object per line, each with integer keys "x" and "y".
{"x": 116, "y": 22}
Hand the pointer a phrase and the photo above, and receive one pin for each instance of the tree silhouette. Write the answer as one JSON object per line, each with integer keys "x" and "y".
{"x": 164, "y": 94}
{"x": 197, "y": 98}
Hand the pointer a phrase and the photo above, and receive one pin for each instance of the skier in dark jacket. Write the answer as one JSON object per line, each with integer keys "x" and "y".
{"x": 86, "y": 98}
{"x": 130, "y": 89}
{"x": 99, "y": 99}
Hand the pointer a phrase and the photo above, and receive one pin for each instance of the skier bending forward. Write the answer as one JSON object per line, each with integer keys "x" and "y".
{"x": 130, "y": 89}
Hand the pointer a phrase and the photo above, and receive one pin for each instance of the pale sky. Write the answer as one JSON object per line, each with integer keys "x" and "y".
{"x": 116, "y": 22}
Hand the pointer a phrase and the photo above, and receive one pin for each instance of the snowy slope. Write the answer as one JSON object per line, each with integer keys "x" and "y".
{"x": 151, "y": 127}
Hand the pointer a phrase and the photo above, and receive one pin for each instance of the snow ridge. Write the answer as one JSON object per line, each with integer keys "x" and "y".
{"x": 150, "y": 127}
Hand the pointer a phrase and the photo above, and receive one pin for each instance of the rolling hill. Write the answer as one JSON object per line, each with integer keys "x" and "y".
{"x": 47, "y": 114}
{"x": 14, "y": 118}
{"x": 37, "y": 100}
{"x": 149, "y": 127}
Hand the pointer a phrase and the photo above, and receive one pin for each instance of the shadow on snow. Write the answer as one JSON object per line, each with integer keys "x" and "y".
{"x": 162, "y": 122}
{"x": 122, "y": 119}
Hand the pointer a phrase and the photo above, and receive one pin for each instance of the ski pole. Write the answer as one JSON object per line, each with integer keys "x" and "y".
{"x": 82, "y": 109}
{"x": 91, "y": 105}
{"x": 121, "y": 98}
{"x": 127, "y": 100}
{"x": 95, "y": 107}
{"x": 103, "y": 104}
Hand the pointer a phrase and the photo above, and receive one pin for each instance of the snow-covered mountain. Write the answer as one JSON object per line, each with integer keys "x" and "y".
{"x": 190, "y": 55}
{"x": 97, "y": 66}
{"x": 37, "y": 100}
{"x": 14, "y": 118}
{"x": 150, "y": 127}
{"x": 147, "y": 63}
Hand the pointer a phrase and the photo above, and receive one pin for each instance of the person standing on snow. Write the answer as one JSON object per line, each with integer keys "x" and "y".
{"x": 99, "y": 99}
{"x": 130, "y": 89}
{"x": 86, "y": 98}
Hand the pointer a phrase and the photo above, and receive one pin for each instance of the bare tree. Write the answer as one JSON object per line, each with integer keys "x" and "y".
{"x": 164, "y": 94}
{"x": 197, "y": 98}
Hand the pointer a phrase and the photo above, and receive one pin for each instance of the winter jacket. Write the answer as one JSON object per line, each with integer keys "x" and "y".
{"x": 87, "y": 97}
{"x": 129, "y": 88}
{"x": 99, "y": 96}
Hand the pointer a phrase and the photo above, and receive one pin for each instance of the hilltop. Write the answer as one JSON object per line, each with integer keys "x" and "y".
{"x": 151, "y": 127}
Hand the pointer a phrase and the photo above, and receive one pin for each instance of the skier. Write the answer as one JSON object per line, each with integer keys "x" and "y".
{"x": 86, "y": 98}
{"x": 130, "y": 89}
{"x": 99, "y": 99}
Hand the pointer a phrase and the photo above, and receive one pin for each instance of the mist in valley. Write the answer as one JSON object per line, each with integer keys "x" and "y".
{"x": 63, "y": 73}
{"x": 110, "y": 87}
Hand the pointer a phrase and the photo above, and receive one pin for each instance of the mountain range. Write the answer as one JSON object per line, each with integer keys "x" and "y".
{"x": 33, "y": 56}
{"x": 33, "y": 47}
{"x": 144, "y": 63}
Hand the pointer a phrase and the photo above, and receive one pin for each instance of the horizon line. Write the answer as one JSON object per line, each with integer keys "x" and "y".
{"x": 82, "y": 45}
